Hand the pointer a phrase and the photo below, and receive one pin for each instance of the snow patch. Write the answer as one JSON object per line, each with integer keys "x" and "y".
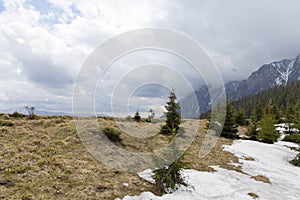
{"x": 147, "y": 175}
{"x": 284, "y": 72}
{"x": 278, "y": 81}
{"x": 271, "y": 161}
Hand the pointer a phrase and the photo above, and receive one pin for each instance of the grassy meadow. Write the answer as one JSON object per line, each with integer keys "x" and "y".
{"x": 45, "y": 159}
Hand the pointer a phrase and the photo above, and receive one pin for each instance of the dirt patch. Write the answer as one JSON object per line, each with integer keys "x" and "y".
{"x": 261, "y": 179}
{"x": 253, "y": 195}
{"x": 249, "y": 158}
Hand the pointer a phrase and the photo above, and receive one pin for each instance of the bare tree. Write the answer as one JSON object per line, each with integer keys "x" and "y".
{"x": 151, "y": 115}
{"x": 30, "y": 111}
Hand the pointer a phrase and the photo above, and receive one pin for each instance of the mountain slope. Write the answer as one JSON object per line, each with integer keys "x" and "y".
{"x": 267, "y": 76}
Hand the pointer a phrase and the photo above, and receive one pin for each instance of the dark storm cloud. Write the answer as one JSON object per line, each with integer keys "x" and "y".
{"x": 240, "y": 35}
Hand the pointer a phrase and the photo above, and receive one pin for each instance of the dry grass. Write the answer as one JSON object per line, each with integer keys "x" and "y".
{"x": 261, "y": 178}
{"x": 253, "y": 195}
{"x": 215, "y": 157}
{"x": 249, "y": 158}
{"x": 45, "y": 159}
{"x": 242, "y": 130}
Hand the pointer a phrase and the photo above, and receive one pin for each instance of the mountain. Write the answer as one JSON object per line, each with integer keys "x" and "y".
{"x": 267, "y": 76}
{"x": 52, "y": 113}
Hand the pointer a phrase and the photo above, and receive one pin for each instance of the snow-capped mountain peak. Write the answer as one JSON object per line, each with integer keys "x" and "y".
{"x": 267, "y": 76}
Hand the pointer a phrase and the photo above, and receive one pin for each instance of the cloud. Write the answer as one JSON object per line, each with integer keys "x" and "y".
{"x": 45, "y": 58}
{"x": 43, "y": 44}
{"x": 242, "y": 35}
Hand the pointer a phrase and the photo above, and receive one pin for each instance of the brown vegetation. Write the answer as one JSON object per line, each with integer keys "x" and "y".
{"x": 261, "y": 178}
{"x": 44, "y": 159}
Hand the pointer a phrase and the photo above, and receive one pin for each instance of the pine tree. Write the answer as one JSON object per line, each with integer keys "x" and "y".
{"x": 267, "y": 132}
{"x": 252, "y": 132}
{"x": 258, "y": 112}
{"x": 290, "y": 112}
{"x": 137, "y": 116}
{"x": 240, "y": 117}
{"x": 230, "y": 128}
{"x": 173, "y": 116}
{"x": 169, "y": 177}
{"x": 296, "y": 117}
{"x": 275, "y": 112}
{"x": 295, "y": 137}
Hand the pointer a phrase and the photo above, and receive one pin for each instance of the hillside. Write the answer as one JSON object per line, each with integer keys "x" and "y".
{"x": 282, "y": 100}
{"x": 45, "y": 159}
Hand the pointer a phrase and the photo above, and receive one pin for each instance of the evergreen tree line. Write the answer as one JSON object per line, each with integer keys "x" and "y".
{"x": 281, "y": 101}
{"x": 261, "y": 111}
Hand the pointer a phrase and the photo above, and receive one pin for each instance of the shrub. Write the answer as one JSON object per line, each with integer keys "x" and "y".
{"x": 17, "y": 115}
{"x": 292, "y": 138}
{"x": 296, "y": 160}
{"x": 267, "y": 140}
{"x": 112, "y": 134}
{"x": 128, "y": 118}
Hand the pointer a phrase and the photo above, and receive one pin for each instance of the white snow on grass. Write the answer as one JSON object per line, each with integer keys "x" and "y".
{"x": 270, "y": 161}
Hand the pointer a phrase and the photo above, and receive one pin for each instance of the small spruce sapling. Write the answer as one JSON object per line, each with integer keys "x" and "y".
{"x": 137, "y": 116}
{"x": 168, "y": 178}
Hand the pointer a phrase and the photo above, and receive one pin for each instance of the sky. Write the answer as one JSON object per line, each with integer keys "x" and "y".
{"x": 44, "y": 43}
